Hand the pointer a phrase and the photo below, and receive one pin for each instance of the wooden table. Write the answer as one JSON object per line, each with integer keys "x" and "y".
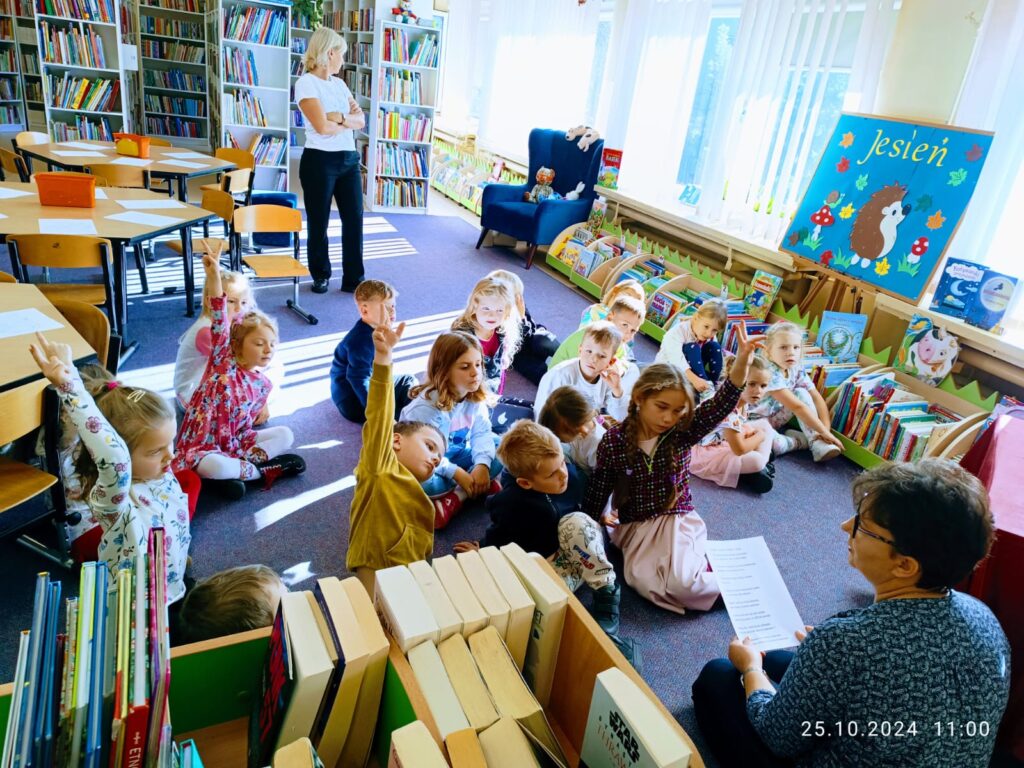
{"x": 22, "y": 215}
{"x": 158, "y": 166}
{"x": 18, "y": 367}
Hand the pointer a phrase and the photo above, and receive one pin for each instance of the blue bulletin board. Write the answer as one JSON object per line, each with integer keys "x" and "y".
{"x": 886, "y": 199}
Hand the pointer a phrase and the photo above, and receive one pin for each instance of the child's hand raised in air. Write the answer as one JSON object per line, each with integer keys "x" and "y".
{"x": 53, "y": 358}
{"x": 745, "y": 348}
{"x": 385, "y": 337}
{"x": 211, "y": 265}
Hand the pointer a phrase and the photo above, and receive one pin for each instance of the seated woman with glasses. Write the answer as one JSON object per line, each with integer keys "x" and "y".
{"x": 919, "y": 678}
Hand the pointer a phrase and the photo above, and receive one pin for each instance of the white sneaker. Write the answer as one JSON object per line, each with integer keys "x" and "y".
{"x": 790, "y": 440}
{"x": 822, "y": 450}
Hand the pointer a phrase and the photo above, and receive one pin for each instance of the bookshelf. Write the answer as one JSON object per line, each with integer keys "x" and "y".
{"x": 27, "y": 45}
{"x": 79, "y": 48}
{"x": 404, "y": 83}
{"x": 174, "y": 58}
{"x": 12, "y": 102}
{"x": 248, "y": 47}
{"x": 302, "y": 28}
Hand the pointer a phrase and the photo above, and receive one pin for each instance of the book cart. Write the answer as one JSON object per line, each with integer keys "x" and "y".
{"x": 213, "y": 683}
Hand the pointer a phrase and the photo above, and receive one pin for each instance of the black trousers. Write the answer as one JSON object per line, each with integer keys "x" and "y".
{"x": 328, "y": 176}
{"x": 532, "y": 358}
{"x": 720, "y": 704}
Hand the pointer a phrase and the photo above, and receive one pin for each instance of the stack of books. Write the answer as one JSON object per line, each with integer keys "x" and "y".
{"x": 69, "y": 92}
{"x": 269, "y": 150}
{"x": 401, "y": 86}
{"x": 90, "y": 10}
{"x": 240, "y": 67}
{"x": 156, "y": 49}
{"x": 421, "y": 52}
{"x": 251, "y": 24}
{"x": 71, "y": 46}
{"x": 243, "y": 108}
{"x": 395, "y": 161}
{"x": 395, "y": 125}
{"x": 175, "y": 106}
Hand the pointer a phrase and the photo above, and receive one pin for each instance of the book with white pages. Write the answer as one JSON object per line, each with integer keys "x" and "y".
{"x": 521, "y": 605}
{"x": 437, "y": 688}
{"x": 402, "y": 609}
{"x": 313, "y": 667}
{"x": 448, "y": 620}
{"x": 452, "y": 578}
{"x": 485, "y": 589}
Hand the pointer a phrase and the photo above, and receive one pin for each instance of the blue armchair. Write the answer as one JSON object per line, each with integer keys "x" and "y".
{"x": 502, "y": 205}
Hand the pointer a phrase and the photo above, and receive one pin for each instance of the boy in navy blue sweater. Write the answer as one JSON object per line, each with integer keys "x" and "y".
{"x": 353, "y": 357}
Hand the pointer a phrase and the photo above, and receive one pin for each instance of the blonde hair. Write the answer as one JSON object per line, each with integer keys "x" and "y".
{"x": 510, "y": 328}
{"x": 246, "y": 324}
{"x": 779, "y": 329}
{"x": 511, "y": 278}
{"x": 369, "y": 290}
{"x": 566, "y": 408}
{"x": 655, "y": 378}
{"x": 603, "y": 333}
{"x": 629, "y": 287}
{"x": 525, "y": 446}
{"x": 322, "y": 42}
{"x": 714, "y": 310}
{"x": 757, "y": 363}
{"x": 232, "y": 279}
{"x": 447, "y": 349}
{"x": 131, "y": 412}
{"x": 630, "y": 304}
{"x": 231, "y": 601}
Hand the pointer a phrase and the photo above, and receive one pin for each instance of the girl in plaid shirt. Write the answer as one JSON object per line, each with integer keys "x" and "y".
{"x": 643, "y": 465}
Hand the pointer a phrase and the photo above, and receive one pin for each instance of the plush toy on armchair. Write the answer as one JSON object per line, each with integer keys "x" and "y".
{"x": 542, "y": 189}
{"x": 404, "y": 12}
{"x": 585, "y": 134}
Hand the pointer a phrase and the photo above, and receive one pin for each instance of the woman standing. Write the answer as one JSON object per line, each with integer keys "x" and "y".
{"x": 330, "y": 163}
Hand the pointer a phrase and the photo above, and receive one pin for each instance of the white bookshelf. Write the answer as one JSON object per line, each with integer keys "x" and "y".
{"x": 406, "y": 93}
{"x": 12, "y": 101}
{"x": 64, "y": 120}
{"x": 27, "y": 44}
{"x": 301, "y": 30}
{"x": 174, "y": 89}
{"x": 233, "y": 98}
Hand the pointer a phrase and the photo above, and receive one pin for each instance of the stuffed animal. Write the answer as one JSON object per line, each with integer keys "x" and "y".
{"x": 404, "y": 12}
{"x": 585, "y": 134}
{"x": 542, "y": 189}
{"x": 575, "y": 194}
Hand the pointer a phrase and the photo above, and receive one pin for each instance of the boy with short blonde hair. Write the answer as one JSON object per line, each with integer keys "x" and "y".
{"x": 230, "y": 601}
{"x": 627, "y": 314}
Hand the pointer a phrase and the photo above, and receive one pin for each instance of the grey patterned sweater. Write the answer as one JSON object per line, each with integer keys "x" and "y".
{"x": 865, "y": 680}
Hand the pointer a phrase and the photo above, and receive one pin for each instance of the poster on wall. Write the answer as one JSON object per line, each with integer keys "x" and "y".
{"x": 885, "y": 200}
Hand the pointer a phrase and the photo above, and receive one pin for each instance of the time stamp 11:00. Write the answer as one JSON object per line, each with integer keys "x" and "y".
{"x": 875, "y": 729}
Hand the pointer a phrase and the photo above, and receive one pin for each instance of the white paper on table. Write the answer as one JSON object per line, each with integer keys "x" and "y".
{"x": 80, "y": 145}
{"x": 3, "y": 215}
{"x": 182, "y": 163}
{"x": 146, "y": 205}
{"x": 77, "y": 153}
{"x": 19, "y": 322}
{"x": 184, "y": 155}
{"x": 67, "y": 227}
{"x": 6, "y": 192}
{"x": 759, "y": 604}
{"x": 131, "y": 161}
{"x": 149, "y": 219}
{"x": 100, "y": 194}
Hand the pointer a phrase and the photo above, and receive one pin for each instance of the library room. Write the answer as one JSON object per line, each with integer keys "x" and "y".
{"x": 510, "y": 383}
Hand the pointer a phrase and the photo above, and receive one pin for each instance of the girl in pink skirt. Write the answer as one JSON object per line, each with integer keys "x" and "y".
{"x": 643, "y": 465}
{"x": 738, "y": 451}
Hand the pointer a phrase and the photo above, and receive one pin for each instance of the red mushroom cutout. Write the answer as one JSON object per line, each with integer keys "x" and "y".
{"x": 918, "y": 249}
{"x": 823, "y": 218}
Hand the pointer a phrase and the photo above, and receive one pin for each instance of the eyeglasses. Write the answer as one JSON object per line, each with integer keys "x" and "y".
{"x": 866, "y": 532}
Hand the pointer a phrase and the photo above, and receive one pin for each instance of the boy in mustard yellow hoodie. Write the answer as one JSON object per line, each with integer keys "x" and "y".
{"x": 391, "y": 518}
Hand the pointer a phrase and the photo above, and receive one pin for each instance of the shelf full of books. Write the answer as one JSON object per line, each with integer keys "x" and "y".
{"x": 248, "y": 48}
{"x": 302, "y": 28}
{"x": 12, "y": 104}
{"x": 172, "y": 36}
{"x": 27, "y": 44}
{"x": 79, "y": 49}
{"x": 400, "y": 119}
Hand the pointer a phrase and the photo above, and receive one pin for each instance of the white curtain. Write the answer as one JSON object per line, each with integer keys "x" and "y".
{"x": 763, "y": 130}
{"x": 460, "y": 82}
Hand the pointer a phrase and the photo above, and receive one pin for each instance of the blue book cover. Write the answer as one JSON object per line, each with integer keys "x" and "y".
{"x": 840, "y": 335}
{"x": 94, "y": 727}
{"x": 43, "y": 728}
{"x": 973, "y": 293}
{"x": 33, "y": 674}
{"x": 990, "y": 302}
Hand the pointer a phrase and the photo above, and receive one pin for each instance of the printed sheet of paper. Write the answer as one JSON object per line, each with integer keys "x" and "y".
{"x": 19, "y": 322}
{"x": 186, "y": 155}
{"x": 67, "y": 227}
{"x": 182, "y": 164}
{"x": 148, "y": 205}
{"x": 78, "y": 153}
{"x": 131, "y": 161}
{"x": 6, "y": 193}
{"x": 147, "y": 219}
{"x": 80, "y": 145}
{"x": 759, "y": 604}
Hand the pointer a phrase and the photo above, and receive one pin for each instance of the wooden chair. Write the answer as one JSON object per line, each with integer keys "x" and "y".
{"x": 129, "y": 177}
{"x": 21, "y": 412}
{"x": 234, "y": 182}
{"x": 222, "y": 204}
{"x": 90, "y": 322}
{"x": 27, "y": 139}
{"x": 272, "y": 218}
{"x": 13, "y": 163}
{"x": 6, "y": 278}
{"x": 161, "y": 185}
{"x": 67, "y": 252}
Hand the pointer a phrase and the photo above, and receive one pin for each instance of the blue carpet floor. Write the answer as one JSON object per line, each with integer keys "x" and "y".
{"x": 300, "y": 527}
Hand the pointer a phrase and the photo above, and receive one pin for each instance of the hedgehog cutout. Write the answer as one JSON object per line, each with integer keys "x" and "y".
{"x": 874, "y": 230}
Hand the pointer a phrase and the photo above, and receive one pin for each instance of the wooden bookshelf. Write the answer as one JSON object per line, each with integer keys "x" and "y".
{"x": 173, "y": 91}
{"x": 249, "y": 84}
{"x": 93, "y": 27}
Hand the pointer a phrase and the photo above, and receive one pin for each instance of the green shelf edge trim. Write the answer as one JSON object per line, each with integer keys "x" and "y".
{"x": 652, "y": 330}
{"x": 858, "y": 454}
{"x": 791, "y": 314}
{"x": 395, "y": 711}
{"x": 558, "y": 265}
{"x": 970, "y": 393}
{"x": 867, "y": 348}
{"x": 589, "y": 286}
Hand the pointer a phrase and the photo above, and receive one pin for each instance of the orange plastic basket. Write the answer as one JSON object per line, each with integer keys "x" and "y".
{"x": 131, "y": 145}
{"x": 69, "y": 190}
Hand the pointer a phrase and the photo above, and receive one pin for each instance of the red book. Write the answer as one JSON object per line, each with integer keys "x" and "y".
{"x": 611, "y": 161}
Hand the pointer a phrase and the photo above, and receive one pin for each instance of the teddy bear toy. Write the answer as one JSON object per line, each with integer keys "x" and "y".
{"x": 404, "y": 12}
{"x": 585, "y": 134}
{"x": 542, "y": 189}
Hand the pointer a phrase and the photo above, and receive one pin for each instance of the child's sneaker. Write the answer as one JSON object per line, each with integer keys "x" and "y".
{"x": 285, "y": 465}
{"x": 606, "y": 607}
{"x": 628, "y": 647}
{"x": 822, "y": 450}
{"x": 790, "y": 440}
{"x": 447, "y": 506}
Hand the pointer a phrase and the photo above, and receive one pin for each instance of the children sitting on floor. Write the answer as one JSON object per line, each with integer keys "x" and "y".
{"x": 691, "y": 344}
{"x": 537, "y": 343}
{"x": 737, "y": 453}
{"x": 492, "y": 317}
{"x": 645, "y": 461}
{"x": 391, "y": 520}
{"x": 628, "y": 287}
{"x": 353, "y": 357}
{"x": 791, "y": 393}
{"x": 217, "y": 438}
{"x": 577, "y": 424}
{"x": 593, "y": 373}
{"x": 627, "y": 314}
{"x": 454, "y": 400}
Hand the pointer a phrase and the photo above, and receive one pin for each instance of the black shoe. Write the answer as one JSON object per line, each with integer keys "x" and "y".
{"x": 285, "y": 465}
{"x": 758, "y": 482}
{"x": 769, "y": 469}
{"x": 320, "y": 286}
{"x": 350, "y": 287}
{"x": 605, "y": 609}
{"x": 628, "y": 647}
{"x": 232, "y": 490}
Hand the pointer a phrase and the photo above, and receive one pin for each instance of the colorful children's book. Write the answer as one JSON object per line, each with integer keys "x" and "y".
{"x": 764, "y": 287}
{"x": 927, "y": 351}
{"x": 611, "y": 161}
{"x": 840, "y": 335}
{"x": 598, "y": 211}
{"x": 974, "y": 293}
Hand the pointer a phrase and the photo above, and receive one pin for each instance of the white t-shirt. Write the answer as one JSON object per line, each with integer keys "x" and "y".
{"x": 334, "y": 96}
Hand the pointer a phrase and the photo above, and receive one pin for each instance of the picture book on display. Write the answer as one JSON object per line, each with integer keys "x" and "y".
{"x": 764, "y": 288}
{"x": 973, "y": 293}
{"x": 611, "y": 161}
{"x": 927, "y": 351}
{"x": 840, "y": 335}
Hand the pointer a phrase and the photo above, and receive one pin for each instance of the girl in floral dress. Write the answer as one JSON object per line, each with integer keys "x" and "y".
{"x": 217, "y": 437}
